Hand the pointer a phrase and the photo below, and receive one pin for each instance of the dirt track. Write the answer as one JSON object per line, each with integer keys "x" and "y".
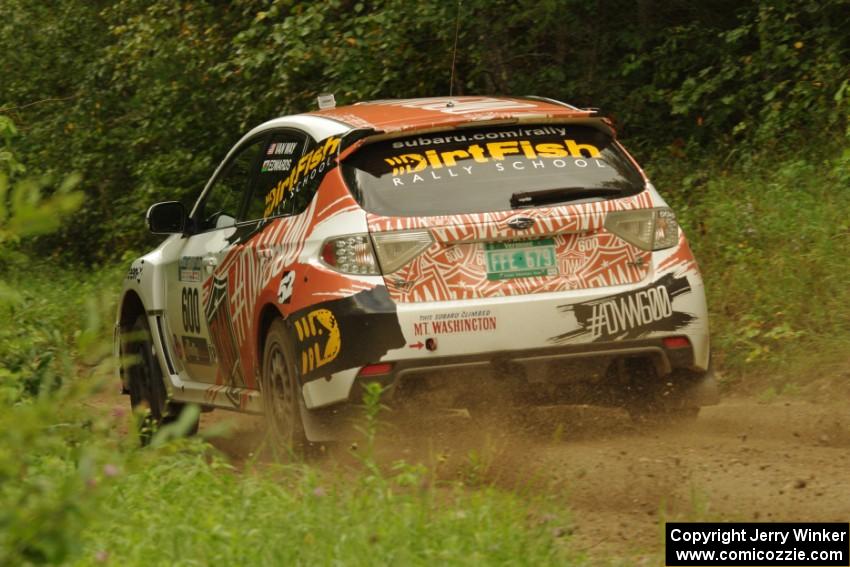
{"x": 742, "y": 460}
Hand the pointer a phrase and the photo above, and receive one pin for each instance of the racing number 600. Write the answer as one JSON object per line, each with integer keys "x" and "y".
{"x": 191, "y": 312}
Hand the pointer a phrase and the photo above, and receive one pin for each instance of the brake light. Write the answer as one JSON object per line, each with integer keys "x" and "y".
{"x": 376, "y": 369}
{"x": 351, "y": 254}
{"x": 676, "y": 342}
{"x": 649, "y": 229}
{"x": 395, "y": 249}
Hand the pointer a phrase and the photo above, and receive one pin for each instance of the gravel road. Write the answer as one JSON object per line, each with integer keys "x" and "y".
{"x": 742, "y": 460}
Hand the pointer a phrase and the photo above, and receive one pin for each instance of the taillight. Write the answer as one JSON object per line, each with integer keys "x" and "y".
{"x": 649, "y": 229}
{"x": 376, "y": 369}
{"x": 351, "y": 254}
{"x": 676, "y": 342}
{"x": 395, "y": 249}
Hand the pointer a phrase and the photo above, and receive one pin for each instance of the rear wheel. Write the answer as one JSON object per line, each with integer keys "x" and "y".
{"x": 144, "y": 376}
{"x": 651, "y": 398}
{"x": 280, "y": 392}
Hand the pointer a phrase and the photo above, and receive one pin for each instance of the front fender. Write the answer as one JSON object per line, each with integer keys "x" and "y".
{"x": 143, "y": 292}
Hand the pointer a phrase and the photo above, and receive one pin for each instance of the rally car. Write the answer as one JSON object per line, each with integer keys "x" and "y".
{"x": 464, "y": 244}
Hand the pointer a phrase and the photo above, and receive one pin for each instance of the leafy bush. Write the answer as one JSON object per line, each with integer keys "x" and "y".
{"x": 772, "y": 238}
{"x": 182, "y": 504}
{"x": 145, "y": 97}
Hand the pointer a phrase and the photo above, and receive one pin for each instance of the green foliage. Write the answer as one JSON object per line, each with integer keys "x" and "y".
{"x": 9, "y": 164}
{"x": 779, "y": 77}
{"x": 296, "y": 515}
{"x": 24, "y": 210}
{"x": 772, "y": 240}
{"x": 75, "y": 490}
{"x": 47, "y": 464}
{"x": 53, "y": 452}
{"x": 28, "y": 349}
{"x": 53, "y": 457}
{"x": 145, "y": 97}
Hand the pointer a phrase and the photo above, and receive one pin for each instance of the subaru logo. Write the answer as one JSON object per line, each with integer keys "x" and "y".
{"x": 520, "y": 223}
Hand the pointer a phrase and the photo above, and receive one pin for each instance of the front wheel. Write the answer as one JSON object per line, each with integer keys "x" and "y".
{"x": 280, "y": 392}
{"x": 144, "y": 376}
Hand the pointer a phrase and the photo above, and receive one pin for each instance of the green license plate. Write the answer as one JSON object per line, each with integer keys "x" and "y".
{"x": 524, "y": 259}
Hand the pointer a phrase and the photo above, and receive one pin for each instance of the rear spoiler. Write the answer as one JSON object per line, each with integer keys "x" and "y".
{"x": 592, "y": 110}
{"x": 362, "y": 136}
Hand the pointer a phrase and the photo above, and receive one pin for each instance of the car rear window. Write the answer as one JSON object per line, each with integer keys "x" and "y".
{"x": 478, "y": 170}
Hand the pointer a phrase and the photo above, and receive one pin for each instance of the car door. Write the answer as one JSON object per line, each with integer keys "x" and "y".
{"x": 245, "y": 266}
{"x": 214, "y": 222}
{"x": 207, "y": 288}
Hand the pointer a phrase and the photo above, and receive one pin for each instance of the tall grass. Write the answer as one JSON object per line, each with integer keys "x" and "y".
{"x": 772, "y": 237}
{"x": 75, "y": 490}
{"x": 184, "y": 506}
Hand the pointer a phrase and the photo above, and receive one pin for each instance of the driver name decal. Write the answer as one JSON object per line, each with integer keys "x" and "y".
{"x": 309, "y": 166}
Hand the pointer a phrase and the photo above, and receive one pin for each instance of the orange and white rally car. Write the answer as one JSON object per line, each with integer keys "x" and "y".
{"x": 418, "y": 243}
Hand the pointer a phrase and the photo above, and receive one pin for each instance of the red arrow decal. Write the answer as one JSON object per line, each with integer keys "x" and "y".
{"x": 419, "y": 345}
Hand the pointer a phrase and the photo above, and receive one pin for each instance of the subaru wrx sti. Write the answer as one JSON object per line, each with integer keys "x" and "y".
{"x": 463, "y": 246}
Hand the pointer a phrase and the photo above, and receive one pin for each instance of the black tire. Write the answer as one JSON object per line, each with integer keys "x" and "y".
{"x": 145, "y": 381}
{"x": 653, "y": 399}
{"x": 280, "y": 392}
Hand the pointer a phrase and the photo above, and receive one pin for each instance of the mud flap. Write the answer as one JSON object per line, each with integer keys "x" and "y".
{"x": 702, "y": 391}
{"x": 326, "y": 425}
{"x": 344, "y": 333}
{"x": 694, "y": 389}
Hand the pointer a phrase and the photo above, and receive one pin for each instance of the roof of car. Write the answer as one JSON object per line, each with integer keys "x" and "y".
{"x": 439, "y": 112}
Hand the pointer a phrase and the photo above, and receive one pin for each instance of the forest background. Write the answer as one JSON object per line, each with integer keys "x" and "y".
{"x": 738, "y": 110}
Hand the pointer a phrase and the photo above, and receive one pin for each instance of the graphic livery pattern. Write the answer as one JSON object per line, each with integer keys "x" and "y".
{"x": 264, "y": 264}
{"x": 344, "y": 333}
{"x": 454, "y": 266}
{"x": 415, "y": 114}
{"x": 241, "y": 278}
{"x": 630, "y": 315}
{"x": 220, "y": 325}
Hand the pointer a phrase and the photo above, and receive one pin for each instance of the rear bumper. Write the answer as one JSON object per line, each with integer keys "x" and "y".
{"x": 691, "y": 386}
{"x": 528, "y": 331}
{"x": 534, "y": 368}
{"x": 572, "y": 363}
{"x": 665, "y": 359}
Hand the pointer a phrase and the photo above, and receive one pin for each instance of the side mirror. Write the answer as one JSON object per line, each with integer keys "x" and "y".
{"x": 169, "y": 217}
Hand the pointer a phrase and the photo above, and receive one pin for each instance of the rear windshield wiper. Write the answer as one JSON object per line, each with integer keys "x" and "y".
{"x": 549, "y": 196}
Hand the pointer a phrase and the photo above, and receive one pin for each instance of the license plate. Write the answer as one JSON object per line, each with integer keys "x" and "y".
{"x": 524, "y": 259}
